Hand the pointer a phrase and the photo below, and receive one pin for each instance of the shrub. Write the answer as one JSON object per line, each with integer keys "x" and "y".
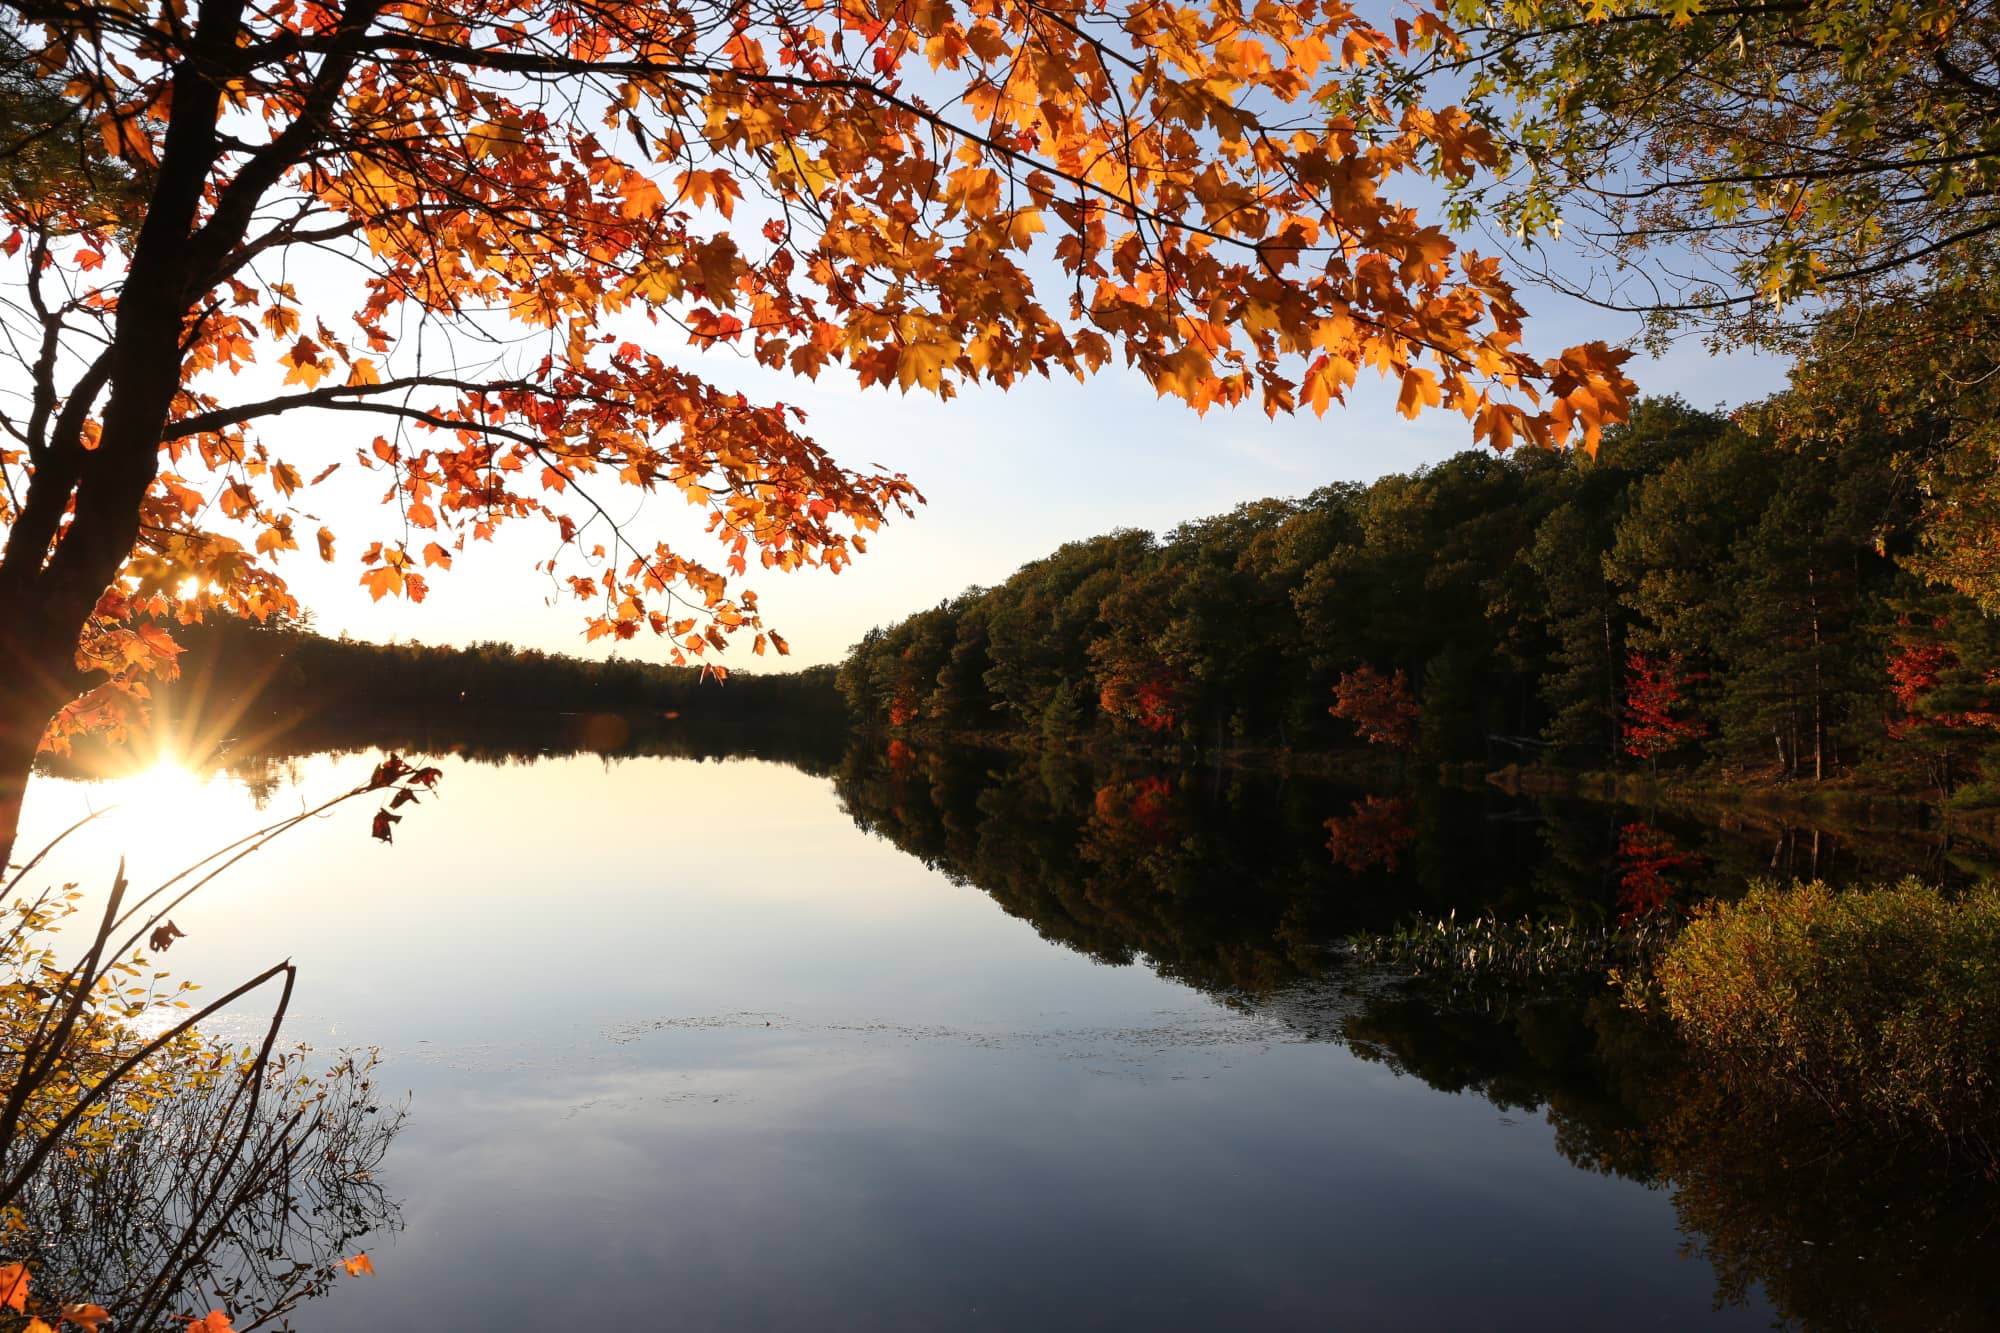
{"x": 1881, "y": 1005}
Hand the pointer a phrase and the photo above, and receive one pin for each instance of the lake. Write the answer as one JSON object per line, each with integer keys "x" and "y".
{"x": 893, "y": 1039}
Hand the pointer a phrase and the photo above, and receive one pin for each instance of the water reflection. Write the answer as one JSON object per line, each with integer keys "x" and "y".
{"x": 151, "y": 1166}
{"x": 798, "y": 1082}
{"x": 268, "y": 759}
{"x": 202, "y": 1198}
{"x": 1218, "y": 883}
{"x": 1238, "y": 882}
{"x": 1834, "y": 1229}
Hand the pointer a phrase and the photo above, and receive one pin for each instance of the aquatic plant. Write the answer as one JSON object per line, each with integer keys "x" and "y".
{"x": 1485, "y": 950}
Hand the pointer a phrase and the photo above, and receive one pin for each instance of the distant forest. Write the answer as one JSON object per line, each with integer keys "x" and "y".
{"x": 280, "y": 687}
{"x": 1756, "y": 591}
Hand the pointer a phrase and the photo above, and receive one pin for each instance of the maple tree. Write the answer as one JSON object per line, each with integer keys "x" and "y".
{"x": 543, "y": 203}
{"x": 1917, "y": 663}
{"x": 903, "y": 707}
{"x": 1655, "y": 699}
{"x": 1150, "y": 703}
{"x": 1944, "y": 694}
{"x": 1379, "y": 706}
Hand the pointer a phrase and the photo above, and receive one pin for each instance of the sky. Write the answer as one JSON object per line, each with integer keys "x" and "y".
{"x": 1008, "y": 477}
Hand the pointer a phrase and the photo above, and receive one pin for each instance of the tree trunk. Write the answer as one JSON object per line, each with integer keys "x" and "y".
{"x": 16, "y": 762}
{"x": 1818, "y": 682}
{"x": 24, "y": 715}
{"x": 51, "y": 573}
{"x": 1610, "y": 681}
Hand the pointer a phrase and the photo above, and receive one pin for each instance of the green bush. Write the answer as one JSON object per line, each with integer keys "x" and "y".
{"x": 1880, "y": 1005}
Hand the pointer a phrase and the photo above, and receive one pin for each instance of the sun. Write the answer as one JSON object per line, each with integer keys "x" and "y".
{"x": 168, "y": 813}
{"x": 167, "y": 784}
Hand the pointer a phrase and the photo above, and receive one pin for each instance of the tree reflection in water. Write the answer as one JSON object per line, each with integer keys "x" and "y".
{"x": 1838, "y": 1229}
{"x": 160, "y": 1219}
{"x": 148, "y": 1168}
{"x": 1228, "y": 883}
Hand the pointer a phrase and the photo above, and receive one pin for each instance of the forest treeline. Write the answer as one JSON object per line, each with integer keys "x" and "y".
{"x": 1787, "y": 591}
{"x": 282, "y": 686}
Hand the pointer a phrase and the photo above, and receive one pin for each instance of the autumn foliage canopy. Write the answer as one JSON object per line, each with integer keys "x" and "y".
{"x": 496, "y": 236}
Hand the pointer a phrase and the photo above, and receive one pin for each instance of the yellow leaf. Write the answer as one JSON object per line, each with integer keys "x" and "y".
{"x": 381, "y": 582}
{"x": 1420, "y": 390}
{"x": 277, "y": 537}
{"x": 923, "y": 364}
{"x": 494, "y": 140}
{"x": 699, "y": 186}
{"x": 810, "y": 175}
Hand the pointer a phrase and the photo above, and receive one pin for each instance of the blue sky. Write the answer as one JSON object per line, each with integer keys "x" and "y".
{"x": 1008, "y": 477}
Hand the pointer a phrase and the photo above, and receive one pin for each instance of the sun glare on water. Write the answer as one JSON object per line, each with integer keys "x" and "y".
{"x": 167, "y": 816}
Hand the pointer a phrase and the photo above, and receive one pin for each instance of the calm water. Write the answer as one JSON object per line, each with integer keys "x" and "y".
{"x": 922, "y": 1042}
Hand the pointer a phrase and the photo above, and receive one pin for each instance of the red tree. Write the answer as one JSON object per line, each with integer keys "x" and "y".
{"x": 1151, "y": 704}
{"x": 1379, "y": 706}
{"x": 1943, "y": 706}
{"x": 1655, "y": 691}
{"x": 1919, "y": 662}
{"x": 903, "y": 705}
